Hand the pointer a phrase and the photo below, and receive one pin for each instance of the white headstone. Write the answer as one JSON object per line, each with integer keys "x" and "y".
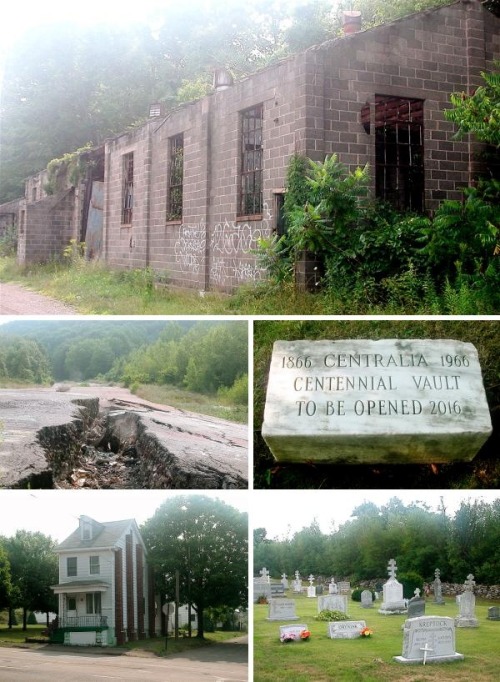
{"x": 332, "y": 602}
{"x": 429, "y": 639}
{"x": 282, "y": 609}
{"x": 467, "y": 616}
{"x": 346, "y": 629}
{"x": 438, "y": 593}
{"x": 284, "y": 581}
{"x": 311, "y": 590}
{"x": 293, "y": 630}
{"x": 393, "y": 602}
{"x": 332, "y": 587}
{"x": 367, "y": 599}
{"x": 362, "y": 401}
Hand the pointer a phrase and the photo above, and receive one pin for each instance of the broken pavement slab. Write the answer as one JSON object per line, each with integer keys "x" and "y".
{"x": 43, "y": 432}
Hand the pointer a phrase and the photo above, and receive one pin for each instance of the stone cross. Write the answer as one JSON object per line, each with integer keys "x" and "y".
{"x": 417, "y": 592}
{"x": 437, "y": 573}
{"x": 283, "y": 575}
{"x": 426, "y": 649}
{"x": 297, "y": 575}
{"x": 311, "y": 579}
{"x": 392, "y": 568}
{"x": 264, "y": 573}
{"x": 469, "y": 583}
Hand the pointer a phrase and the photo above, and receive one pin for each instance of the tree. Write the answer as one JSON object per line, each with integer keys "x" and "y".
{"x": 5, "y": 578}
{"x": 34, "y": 568}
{"x": 206, "y": 541}
{"x": 479, "y": 113}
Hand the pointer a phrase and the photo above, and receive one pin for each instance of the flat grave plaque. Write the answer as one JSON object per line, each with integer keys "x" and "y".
{"x": 388, "y": 401}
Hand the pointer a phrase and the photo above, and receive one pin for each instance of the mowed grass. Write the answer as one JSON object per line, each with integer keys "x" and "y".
{"x": 16, "y": 635}
{"x": 322, "y": 659}
{"x": 211, "y": 405}
{"x": 161, "y": 647}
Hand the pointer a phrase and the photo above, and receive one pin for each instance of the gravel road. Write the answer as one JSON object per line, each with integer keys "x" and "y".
{"x": 16, "y": 300}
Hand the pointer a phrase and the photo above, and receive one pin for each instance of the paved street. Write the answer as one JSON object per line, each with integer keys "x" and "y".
{"x": 219, "y": 663}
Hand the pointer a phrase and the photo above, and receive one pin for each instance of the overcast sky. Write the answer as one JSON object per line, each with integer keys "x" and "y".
{"x": 284, "y": 512}
{"x": 56, "y": 512}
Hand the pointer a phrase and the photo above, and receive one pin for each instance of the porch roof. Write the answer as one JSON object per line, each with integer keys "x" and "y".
{"x": 76, "y": 586}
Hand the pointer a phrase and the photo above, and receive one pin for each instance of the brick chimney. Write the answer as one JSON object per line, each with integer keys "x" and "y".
{"x": 352, "y": 22}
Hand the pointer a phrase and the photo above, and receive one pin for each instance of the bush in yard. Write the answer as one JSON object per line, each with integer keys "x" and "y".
{"x": 410, "y": 581}
{"x": 32, "y": 619}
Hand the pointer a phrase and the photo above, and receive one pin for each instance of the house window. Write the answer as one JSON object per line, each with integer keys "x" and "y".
{"x": 71, "y": 568}
{"x": 250, "y": 201}
{"x": 94, "y": 565}
{"x": 93, "y": 602}
{"x": 399, "y": 152}
{"x": 128, "y": 188}
{"x": 175, "y": 177}
{"x": 71, "y": 603}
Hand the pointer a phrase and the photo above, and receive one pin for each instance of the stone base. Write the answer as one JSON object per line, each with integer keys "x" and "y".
{"x": 466, "y": 622}
{"x": 429, "y": 659}
{"x": 393, "y": 609}
{"x": 284, "y": 620}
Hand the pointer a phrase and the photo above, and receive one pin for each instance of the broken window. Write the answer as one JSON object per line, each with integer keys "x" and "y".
{"x": 128, "y": 188}
{"x": 250, "y": 201}
{"x": 71, "y": 568}
{"x": 175, "y": 178}
{"x": 399, "y": 152}
{"x": 94, "y": 565}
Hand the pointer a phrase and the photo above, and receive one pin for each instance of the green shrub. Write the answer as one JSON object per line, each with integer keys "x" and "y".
{"x": 331, "y": 616}
{"x": 32, "y": 619}
{"x": 237, "y": 393}
{"x": 410, "y": 581}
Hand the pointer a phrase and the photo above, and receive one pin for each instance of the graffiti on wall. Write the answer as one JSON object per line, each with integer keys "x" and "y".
{"x": 229, "y": 245}
{"x": 190, "y": 247}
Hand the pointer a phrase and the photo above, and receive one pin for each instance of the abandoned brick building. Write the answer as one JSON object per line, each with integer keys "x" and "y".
{"x": 190, "y": 193}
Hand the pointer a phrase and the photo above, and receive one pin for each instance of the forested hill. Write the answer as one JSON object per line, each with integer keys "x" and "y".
{"x": 67, "y": 86}
{"x": 201, "y": 356}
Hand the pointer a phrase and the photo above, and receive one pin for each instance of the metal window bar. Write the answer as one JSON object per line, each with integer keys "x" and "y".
{"x": 176, "y": 178}
{"x": 128, "y": 188}
{"x": 399, "y": 152}
{"x": 83, "y": 621}
{"x": 250, "y": 200}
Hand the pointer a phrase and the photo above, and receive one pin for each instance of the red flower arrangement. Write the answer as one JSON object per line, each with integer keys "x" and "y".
{"x": 366, "y": 632}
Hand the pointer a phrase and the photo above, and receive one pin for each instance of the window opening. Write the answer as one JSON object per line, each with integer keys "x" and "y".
{"x": 128, "y": 188}
{"x": 94, "y": 565}
{"x": 250, "y": 202}
{"x": 175, "y": 178}
{"x": 71, "y": 604}
{"x": 93, "y": 602}
{"x": 399, "y": 152}
{"x": 71, "y": 569}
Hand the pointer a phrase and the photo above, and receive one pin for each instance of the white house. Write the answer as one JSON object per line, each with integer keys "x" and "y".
{"x": 105, "y": 590}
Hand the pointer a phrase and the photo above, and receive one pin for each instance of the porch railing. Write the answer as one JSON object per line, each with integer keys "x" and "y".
{"x": 93, "y": 621}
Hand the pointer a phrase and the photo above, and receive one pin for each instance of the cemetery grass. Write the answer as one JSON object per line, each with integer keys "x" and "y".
{"x": 369, "y": 659}
{"x": 482, "y": 472}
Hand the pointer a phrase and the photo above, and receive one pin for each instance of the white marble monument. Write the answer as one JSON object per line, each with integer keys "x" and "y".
{"x": 393, "y": 602}
{"x": 429, "y": 639}
{"x": 282, "y": 609}
{"x": 346, "y": 629}
{"x": 467, "y": 606}
{"x": 332, "y": 602}
{"x": 388, "y": 401}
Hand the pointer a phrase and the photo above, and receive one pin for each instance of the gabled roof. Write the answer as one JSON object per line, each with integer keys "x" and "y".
{"x": 105, "y": 536}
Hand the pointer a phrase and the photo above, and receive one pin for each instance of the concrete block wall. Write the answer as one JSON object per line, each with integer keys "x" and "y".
{"x": 426, "y": 56}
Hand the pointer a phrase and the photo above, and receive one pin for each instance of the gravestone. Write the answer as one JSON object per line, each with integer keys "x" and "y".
{"x": 262, "y": 585}
{"x": 332, "y": 587}
{"x": 311, "y": 590}
{"x": 467, "y": 616}
{"x": 416, "y": 605}
{"x": 294, "y": 630}
{"x": 393, "y": 602}
{"x": 429, "y": 639}
{"x": 438, "y": 593}
{"x": 282, "y": 609}
{"x": 277, "y": 590}
{"x": 333, "y": 602}
{"x": 297, "y": 583}
{"x": 367, "y": 599}
{"x": 284, "y": 581}
{"x": 494, "y": 613}
{"x": 344, "y": 587}
{"x": 364, "y": 402}
{"x": 346, "y": 629}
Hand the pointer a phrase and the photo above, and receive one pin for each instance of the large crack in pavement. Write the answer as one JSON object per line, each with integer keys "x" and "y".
{"x": 83, "y": 441}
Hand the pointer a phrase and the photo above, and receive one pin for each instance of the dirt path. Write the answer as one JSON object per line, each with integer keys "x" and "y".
{"x": 16, "y": 300}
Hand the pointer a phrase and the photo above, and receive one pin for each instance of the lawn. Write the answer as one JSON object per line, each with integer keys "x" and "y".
{"x": 322, "y": 659}
{"x": 17, "y": 635}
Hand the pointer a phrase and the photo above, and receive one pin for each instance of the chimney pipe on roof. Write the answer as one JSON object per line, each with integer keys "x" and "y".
{"x": 222, "y": 79}
{"x": 352, "y": 22}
